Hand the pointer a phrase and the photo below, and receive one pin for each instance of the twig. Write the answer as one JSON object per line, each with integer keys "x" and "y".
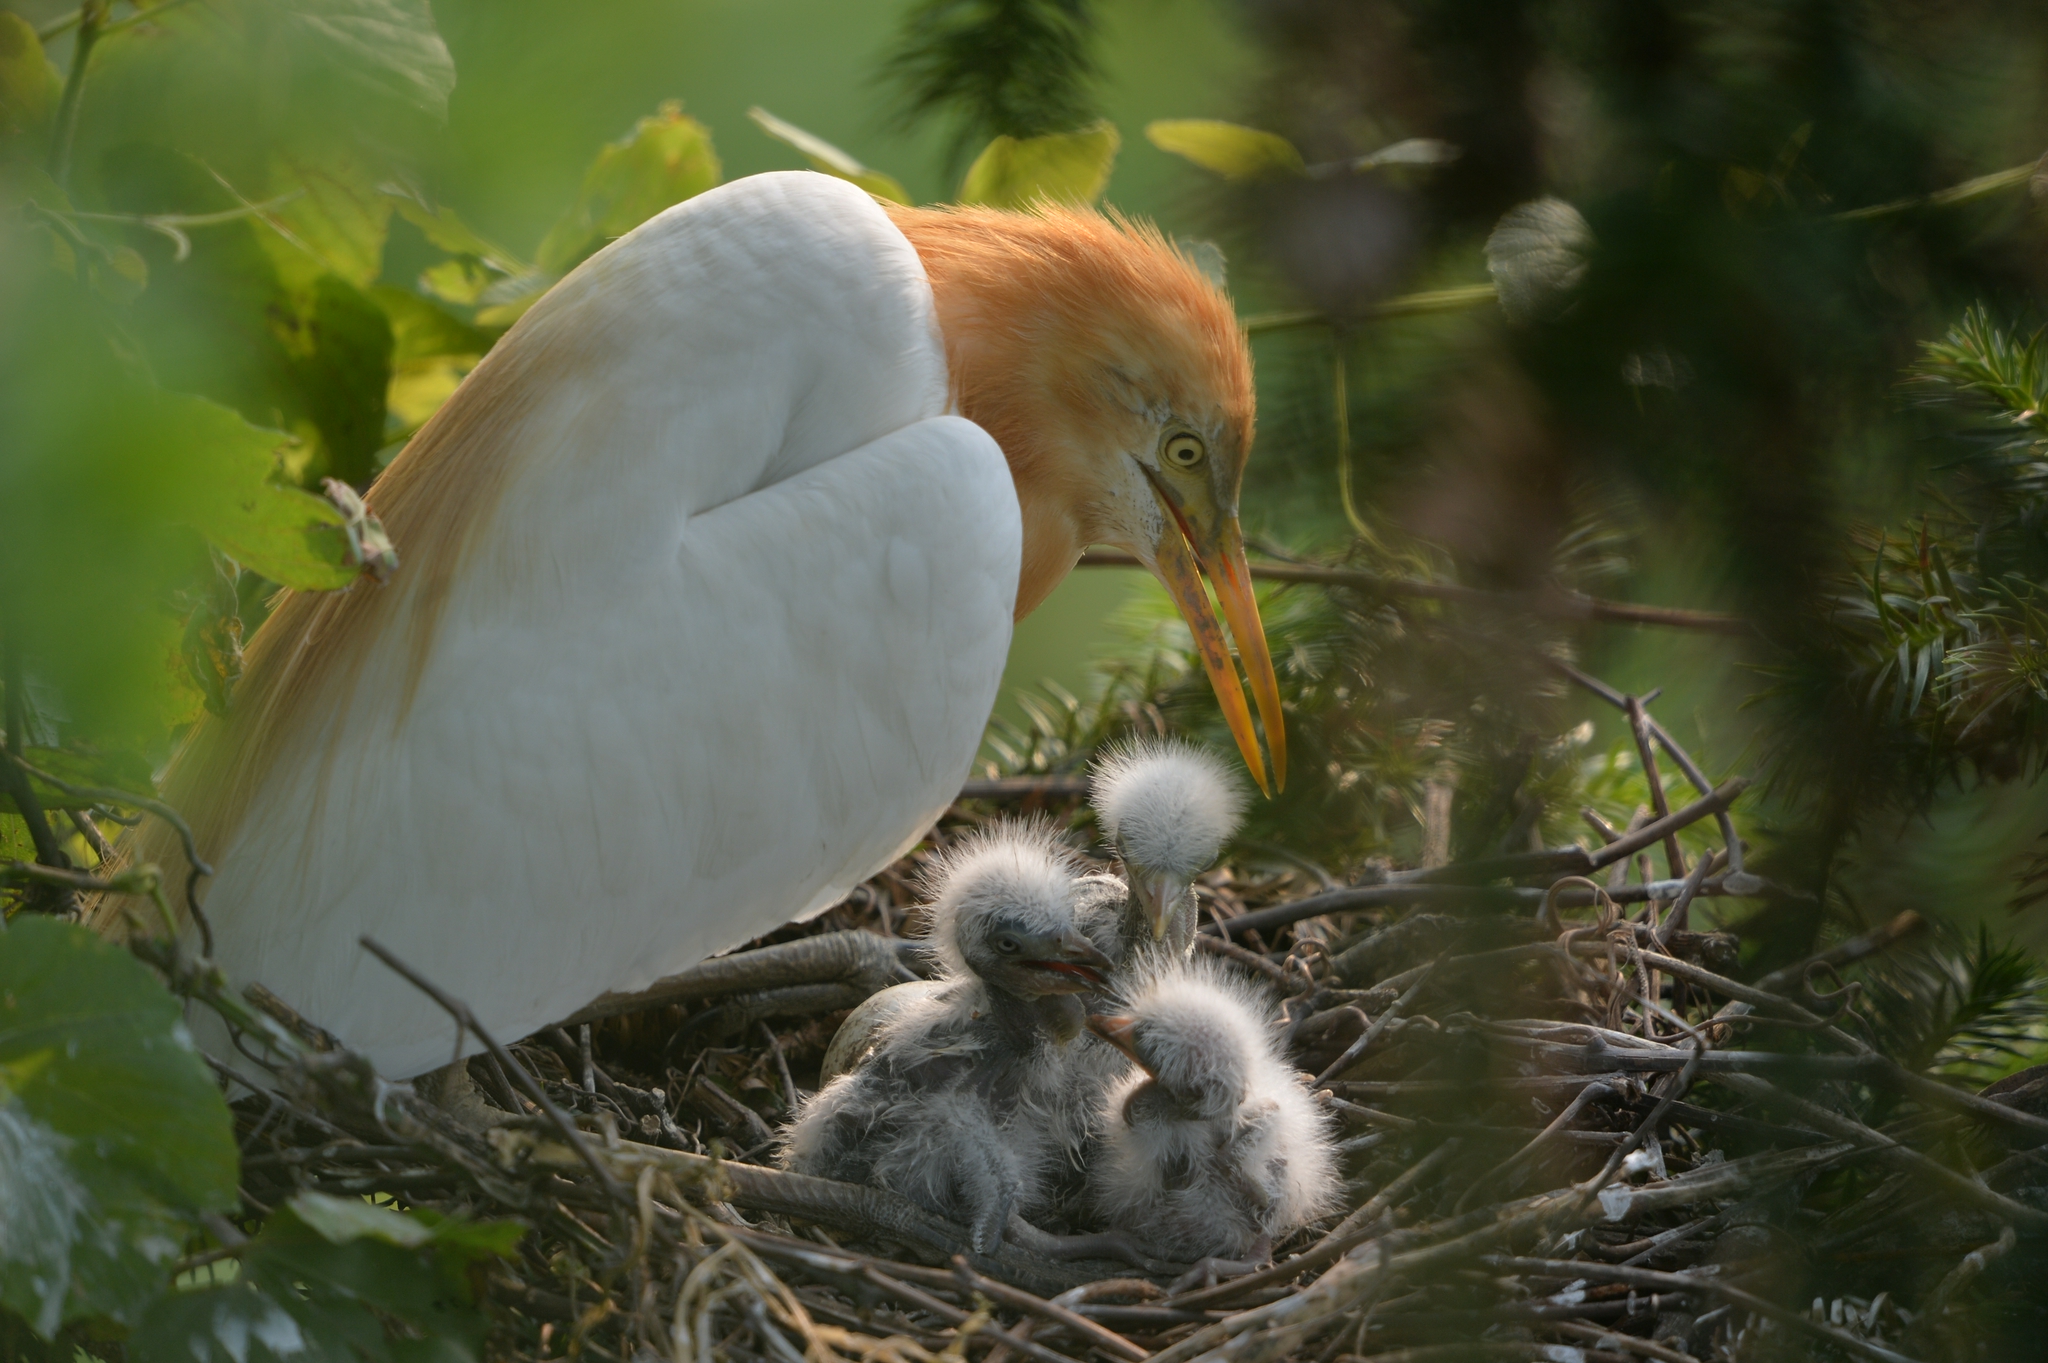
{"x": 1646, "y": 752}
{"x": 1358, "y": 1048}
{"x": 1555, "y": 604}
{"x": 1251, "y": 960}
{"x": 467, "y": 1020}
{"x": 1098, "y": 1335}
{"x": 1679, "y": 1282}
{"x": 1657, "y": 830}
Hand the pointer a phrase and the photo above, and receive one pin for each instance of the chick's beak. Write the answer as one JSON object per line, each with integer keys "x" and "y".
{"x": 1214, "y": 535}
{"x": 1160, "y": 895}
{"x": 1073, "y": 954}
{"x": 1117, "y": 1029}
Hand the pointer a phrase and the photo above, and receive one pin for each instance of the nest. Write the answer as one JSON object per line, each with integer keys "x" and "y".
{"x": 1568, "y": 1132}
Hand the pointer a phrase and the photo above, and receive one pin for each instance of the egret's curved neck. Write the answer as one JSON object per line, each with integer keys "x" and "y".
{"x": 1007, "y": 374}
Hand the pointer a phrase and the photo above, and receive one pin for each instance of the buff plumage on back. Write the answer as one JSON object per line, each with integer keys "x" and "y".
{"x": 306, "y": 656}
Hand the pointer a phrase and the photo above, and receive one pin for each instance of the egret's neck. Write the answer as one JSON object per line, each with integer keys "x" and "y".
{"x": 1010, "y": 368}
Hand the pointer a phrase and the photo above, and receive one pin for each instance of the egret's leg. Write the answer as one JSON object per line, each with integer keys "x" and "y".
{"x": 1212, "y": 1270}
{"x": 1108, "y": 1244}
{"x": 854, "y": 960}
{"x": 451, "y": 1089}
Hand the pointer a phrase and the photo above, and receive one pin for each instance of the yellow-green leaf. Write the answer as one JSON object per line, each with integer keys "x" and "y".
{"x": 1229, "y": 149}
{"x": 336, "y": 224}
{"x": 824, "y": 156}
{"x": 224, "y": 491}
{"x": 1071, "y": 167}
{"x": 419, "y": 329}
{"x": 456, "y": 281}
{"x": 666, "y": 159}
{"x": 29, "y": 85}
{"x": 445, "y": 229}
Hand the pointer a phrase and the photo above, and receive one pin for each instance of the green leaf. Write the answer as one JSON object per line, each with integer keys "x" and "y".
{"x": 1230, "y": 149}
{"x": 340, "y": 346}
{"x": 29, "y": 85}
{"x": 824, "y": 156}
{"x": 456, "y": 281}
{"x": 308, "y": 1277}
{"x": 113, "y": 1136}
{"x": 420, "y": 330}
{"x": 1062, "y": 167}
{"x": 124, "y": 771}
{"x": 336, "y": 225}
{"x": 666, "y": 159}
{"x": 391, "y": 46}
{"x": 1537, "y": 255}
{"x": 445, "y": 229}
{"x": 220, "y": 471}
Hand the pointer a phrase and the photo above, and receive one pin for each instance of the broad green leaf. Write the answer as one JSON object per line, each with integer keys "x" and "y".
{"x": 1229, "y": 149}
{"x": 391, "y": 46}
{"x": 307, "y": 1279}
{"x": 113, "y": 1136}
{"x": 15, "y": 843}
{"x": 124, "y": 771}
{"x": 1537, "y": 255}
{"x": 445, "y": 229}
{"x": 666, "y": 159}
{"x": 824, "y": 156}
{"x": 419, "y": 388}
{"x": 1060, "y": 167}
{"x": 219, "y": 470}
{"x": 335, "y": 225}
{"x": 29, "y": 85}
{"x": 456, "y": 281}
{"x": 419, "y": 329}
{"x": 340, "y": 346}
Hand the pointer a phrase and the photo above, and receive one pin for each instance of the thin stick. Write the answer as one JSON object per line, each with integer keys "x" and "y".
{"x": 1358, "y": 1048}
{"x": 1101, "y": 1336}
{"x": 1639, "y": 729}
{"x": 1678, "y": 1282}
{"x": 458, "y": 1010}
{"x": 1715, "y": 802}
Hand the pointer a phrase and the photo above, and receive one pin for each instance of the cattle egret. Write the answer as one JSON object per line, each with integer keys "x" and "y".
{"x": 1167, "y": 807}
{"x": 1216, "y": 1148}
{"x": 960, "y": 1101}
{"x": 709, "y": 572}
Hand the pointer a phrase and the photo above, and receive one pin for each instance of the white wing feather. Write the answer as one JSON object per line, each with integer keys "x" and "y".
{"x": 725, "y": 647}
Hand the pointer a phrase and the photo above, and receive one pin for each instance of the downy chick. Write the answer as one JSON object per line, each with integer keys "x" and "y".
{"x": 960, "y": 1101}
{"x": 1167, "y": 807}
{"x": 1214, "y": 1148}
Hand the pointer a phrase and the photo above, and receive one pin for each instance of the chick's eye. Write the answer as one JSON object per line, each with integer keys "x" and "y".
{"x": 1184, "y": 451}
{"x": 1007, "y": 945}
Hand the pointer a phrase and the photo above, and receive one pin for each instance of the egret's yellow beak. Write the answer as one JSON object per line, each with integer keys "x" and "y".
{"x": 1218, "y": 541}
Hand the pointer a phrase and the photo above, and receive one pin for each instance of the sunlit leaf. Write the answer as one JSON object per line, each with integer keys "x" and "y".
{"x": 420, "y": 329}
{"x": 666, "y": 159}
{"x": 29, "y": 84}
{"x": 456, "y": 281}
{"x": 445, "y": 228}
{"x": 1537, "y": 255}
{"x": 223, "y": 489}
{"x": 1061, "y": 167}
{"x": 391, "y": 46}
{"x": 828, "y": 158}
{"x": 336, "y": 223}
{"x": 113, "y": 1136}
{"x": 1229, "y": 149}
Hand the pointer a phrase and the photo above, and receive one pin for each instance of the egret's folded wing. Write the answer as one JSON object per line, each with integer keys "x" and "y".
{"x": 720, "y": 641}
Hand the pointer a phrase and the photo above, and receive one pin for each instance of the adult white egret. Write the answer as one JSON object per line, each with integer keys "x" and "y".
{"x": 709, "y": 574}
{"x": 961, "y": 1100}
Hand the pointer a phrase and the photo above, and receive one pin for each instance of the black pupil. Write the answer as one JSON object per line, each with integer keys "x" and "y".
{"x": 1006, "y": 945}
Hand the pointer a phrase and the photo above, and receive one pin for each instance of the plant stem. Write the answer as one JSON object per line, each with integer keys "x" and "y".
{"x": 91, "y": 16}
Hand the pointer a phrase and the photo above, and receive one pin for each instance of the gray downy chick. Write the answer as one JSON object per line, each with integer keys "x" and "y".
{"x": 1213, "y": 1146}
{"x": 961, "y": 1099}
{"x": 1167, "y": 807}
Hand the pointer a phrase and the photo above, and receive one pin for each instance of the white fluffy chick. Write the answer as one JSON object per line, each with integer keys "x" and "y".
{"x": 961, "y": 1099}
{"x": 1214, "y": 1148}
{"x": 1167, "y": 807}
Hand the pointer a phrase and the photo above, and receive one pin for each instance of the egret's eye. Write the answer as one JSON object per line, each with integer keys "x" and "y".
{"x": 1007, "y": 945}
{"x": 1183, "y": 451}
